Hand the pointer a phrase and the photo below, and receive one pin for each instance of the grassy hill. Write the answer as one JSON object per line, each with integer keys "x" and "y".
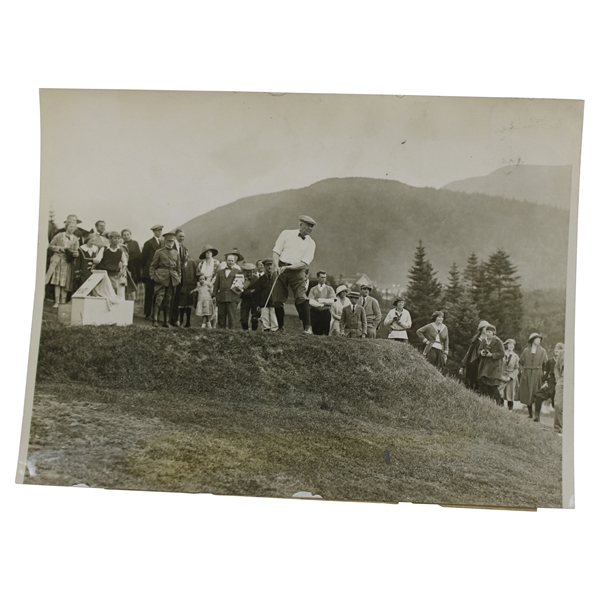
{"x": 548, "y": 185}
{"x": 373, "y": 226}
{"x": 270, "y": 415}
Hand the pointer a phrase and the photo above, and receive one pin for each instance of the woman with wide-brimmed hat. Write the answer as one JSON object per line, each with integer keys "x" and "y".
{"x": 532, "y": 361}
{"x": 508, "y": 389}
{"x": 207, "y": 265}
{"x": 469, "y": 365}
{"x": 340, "y": 302}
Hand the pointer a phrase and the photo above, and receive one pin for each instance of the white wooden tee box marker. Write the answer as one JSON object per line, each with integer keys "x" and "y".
{"x": 95, "y": 302}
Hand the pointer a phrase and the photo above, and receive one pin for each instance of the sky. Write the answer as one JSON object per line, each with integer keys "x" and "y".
{"x": 139, "y": 158}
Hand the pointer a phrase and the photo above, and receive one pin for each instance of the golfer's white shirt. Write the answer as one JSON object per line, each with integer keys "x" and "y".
{"x": 292, "y": 248}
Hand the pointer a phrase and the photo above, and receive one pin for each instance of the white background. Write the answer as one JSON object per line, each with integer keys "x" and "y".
{"x": 80, "y": 542}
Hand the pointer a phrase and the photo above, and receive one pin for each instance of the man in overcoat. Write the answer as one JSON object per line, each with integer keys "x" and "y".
{"x": 183, "y": 257}
{"x": 226, "y": 295}
{"x": 147, "y": 255}
{"x": 165, "y": 271}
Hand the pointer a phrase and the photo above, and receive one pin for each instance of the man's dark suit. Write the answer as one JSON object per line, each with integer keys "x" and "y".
{"x": 147, "y": 255}
{"x": 226, "y": 299}
{"x": 183, "y": 256}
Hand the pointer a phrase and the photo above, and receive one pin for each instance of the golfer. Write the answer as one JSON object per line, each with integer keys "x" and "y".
{"x": 292, "y": 254}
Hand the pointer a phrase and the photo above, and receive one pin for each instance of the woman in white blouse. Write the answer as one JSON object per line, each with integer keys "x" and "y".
{"x": 399, "y": 321}
{"x": 340, "y": 302}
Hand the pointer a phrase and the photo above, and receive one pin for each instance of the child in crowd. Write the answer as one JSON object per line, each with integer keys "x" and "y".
{"x": 204, "y": 307}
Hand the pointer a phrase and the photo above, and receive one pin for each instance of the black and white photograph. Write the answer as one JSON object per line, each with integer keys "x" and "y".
{"x": 437, "y": 157}
{"x": 342, "y": 297}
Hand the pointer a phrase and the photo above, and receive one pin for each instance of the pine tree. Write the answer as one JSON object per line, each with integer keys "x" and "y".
{"x": 501, "y": 299}
{"x": 461, "y": 317}
{"x": 474, "y": 280}
{"x": 423, "y": 294}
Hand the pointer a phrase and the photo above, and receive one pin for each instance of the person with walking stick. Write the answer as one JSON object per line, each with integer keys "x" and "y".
{"x": 292, "y": 254}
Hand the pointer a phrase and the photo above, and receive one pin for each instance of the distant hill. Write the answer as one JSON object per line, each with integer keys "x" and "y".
{"x": 548, "y": 185}
{"x": 373, "y": 226}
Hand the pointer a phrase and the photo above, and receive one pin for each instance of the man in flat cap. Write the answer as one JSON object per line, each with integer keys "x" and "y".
{"x": 165, "y": 271}
{"x": 353, "y": 322}
{"x": 372, "y": 309}
{"x": 292, "y": 254}
{"x": 147, "y": 255}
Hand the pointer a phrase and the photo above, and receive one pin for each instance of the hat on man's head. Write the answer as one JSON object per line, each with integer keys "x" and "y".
{"x": 353, "y": 294}
{"x": 534, "y": 336}
{"x": 156, "y": 227}
{"x": 248, "y": 266}
{"x": 366, "y": 286}
{"x": 169, "y": 236}
{"x": 72, "y": 218}
{"x": 114, "y": 234}
{"x": 340, "y": 289}
{"x": 208, "y": 248}
{"x": 267, "y": 261}
{"x": 307, "y": 219}
{"x": 235, "y": 252}
{"x": 398, "y": 299}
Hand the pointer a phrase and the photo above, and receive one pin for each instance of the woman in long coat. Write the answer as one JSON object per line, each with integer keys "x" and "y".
{"x": 436, "y": 337}
{"x": 469, "y": 365}
{"x": 532, "y": 361}
{"x": 509, "y": 377}
{"x": 65, "y": 249}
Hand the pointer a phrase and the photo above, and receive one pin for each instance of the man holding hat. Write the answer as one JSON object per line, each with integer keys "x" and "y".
{"x": 263, "y": 298}
{"x": 399, "y": 321}
{"x": 353, "y": 322}
{"x": 372, "y": 309}
{"x": 248, "y": 296}
{"x": 147, "y": 255}
{"x": 292, "y": 254}
{"x": 165, "y": 271}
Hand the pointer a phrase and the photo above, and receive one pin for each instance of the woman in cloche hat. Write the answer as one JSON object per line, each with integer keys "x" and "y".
{"x": 340, "y": 302}
{"x": 532, "y": 360}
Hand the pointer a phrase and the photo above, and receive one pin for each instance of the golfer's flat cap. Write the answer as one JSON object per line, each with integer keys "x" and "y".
{"x": 169, "y": 236}
{"x": 366, "y": 286}
{"x": 307, "y": 219}
{"x": 353, "y": 294}
{"x": 156, "y": 227}
{"x": 267, "y": 261}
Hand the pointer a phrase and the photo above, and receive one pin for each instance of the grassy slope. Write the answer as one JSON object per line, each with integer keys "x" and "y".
{"x": 269, "y": 415}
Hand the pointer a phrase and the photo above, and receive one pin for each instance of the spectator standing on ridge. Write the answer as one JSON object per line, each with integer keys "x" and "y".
{"x": 399, "y": 321}
{"x": 263, "y": 287}
{"x": 205, "y": 305}
{"x": 547, "y": 390}
{"x": 226, "y": 290}
{"x": 187, "y": 301}
{"x": 260, "y": 270}
{"x": 248, "y": 301}
{"x": 353, "y": 323}
{"x": 469, "y": 365}
{"x": 113, "y": 259}
{"x": 102, "y": 235}
{"x": 147, "y": 255}
{"x": 165, "y": 271}
{"x": 372, "y": 309}
{"x": 183, "y": 256}
{"x": 436, "y": 337}
{"x": 80, "y": 234}
{"x": 134, "y": 262}
{"x": 337, "y": 308}
{"x": 509, "y": 377}
{"x": 490, "y": 369}
{"x": 65, "y": 249}
{"x": 292, "y": 254}
{"x": 321, "y": 298}
{"x": 532, "y": 360}
{"x": 237, "y": 257}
